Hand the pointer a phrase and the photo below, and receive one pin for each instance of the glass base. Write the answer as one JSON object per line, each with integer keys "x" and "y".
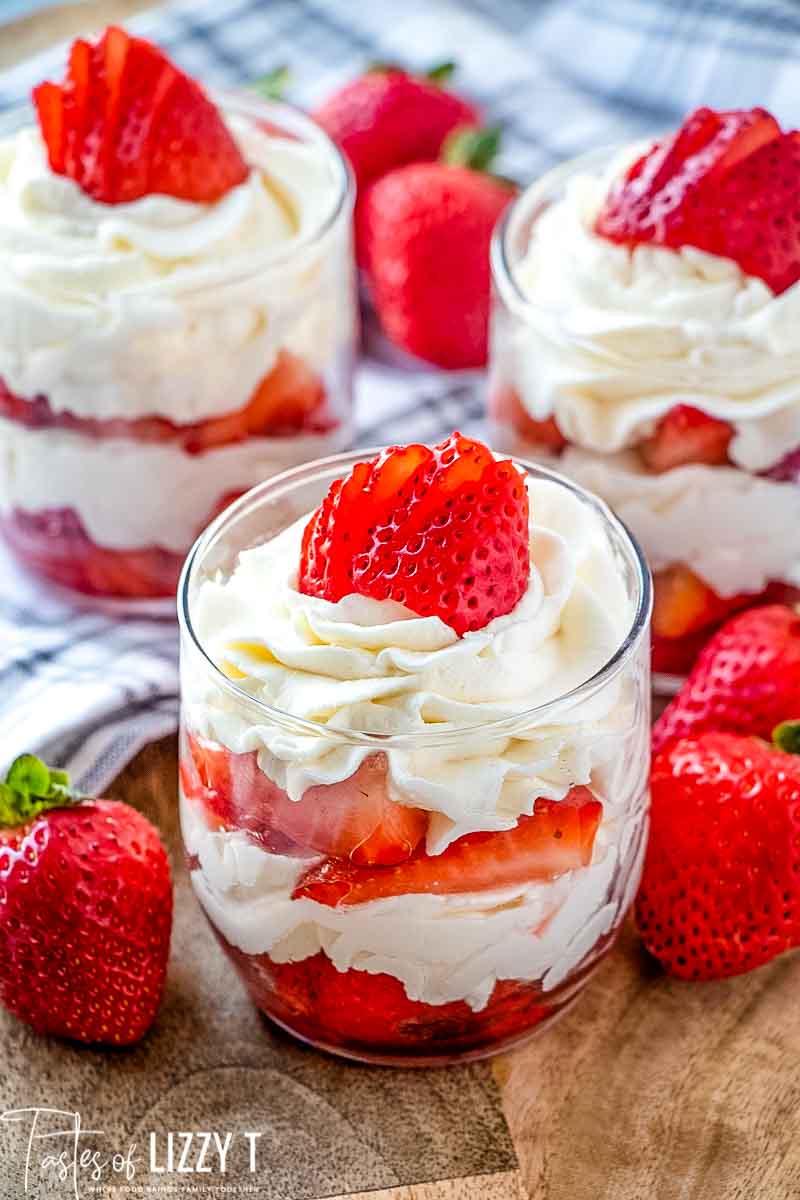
{"x": 422, "y": 1061}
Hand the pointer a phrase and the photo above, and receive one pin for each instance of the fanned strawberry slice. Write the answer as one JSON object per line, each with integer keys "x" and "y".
{"x": 687, "y": 435}
{"x": 49, "y": 101}
{"x": 129, "y": 124}
{"x": 661, "y": 196}
{"x": 443, "y": 531}
{"x": 355, "y": 819}
{"x": 558, "y": 837}
{"x": 726, "y": 183}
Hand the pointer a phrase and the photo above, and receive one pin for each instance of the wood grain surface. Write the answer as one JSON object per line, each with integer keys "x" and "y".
{"x": 647, "y": 1089}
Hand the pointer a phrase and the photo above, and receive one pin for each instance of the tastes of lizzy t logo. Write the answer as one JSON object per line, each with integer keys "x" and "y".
{"x": 55, "y": 1148}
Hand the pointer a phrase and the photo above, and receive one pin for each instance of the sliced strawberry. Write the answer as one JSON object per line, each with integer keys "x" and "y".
{"x": 131, "y": 124}
{"x": 355, "y": 819}
{"x": 759, "y": 224}
{"x": 49, "y": 102}
{"x": 506, "y": 407}
{"x": 663, "y": 196}
{"x": 687, "y": 435}
{"x": 76, "y": 98}
{"x": 558, "y": 837}
{"x": 443, "y": 531}
{"x": 725, "y": 183}
{"x": 192, "y": 153}
{"x": 290, "y": 399}
{"x": 684, "y": 604}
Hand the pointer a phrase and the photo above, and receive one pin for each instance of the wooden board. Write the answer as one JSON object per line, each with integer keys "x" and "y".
{"x": 646, "y": 1090}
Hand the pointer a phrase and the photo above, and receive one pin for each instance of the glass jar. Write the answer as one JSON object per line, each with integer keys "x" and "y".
{"x": 158, "y": 358}
{"x": 385, "y": 968}
{"x": 592, "y": 346}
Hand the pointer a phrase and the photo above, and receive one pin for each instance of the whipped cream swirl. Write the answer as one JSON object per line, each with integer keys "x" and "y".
{"x": 161, "y": 306}
{"x": 613, "y": 338}
{"x": 366, "y": 666}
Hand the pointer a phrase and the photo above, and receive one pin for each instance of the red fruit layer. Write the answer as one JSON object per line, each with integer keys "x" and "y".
{"x": 126, "y": 123}
{"x": 558, "y": 838}
{"x": 506, "y": 408}
{"x": 363, "y": 1014}
{"x": 443, "y": 531}
{"x": 54, "y": 544}
{"x": 289, "y": 401}
{"x": 354, "y": 820}
{"x": 686, "y": 435}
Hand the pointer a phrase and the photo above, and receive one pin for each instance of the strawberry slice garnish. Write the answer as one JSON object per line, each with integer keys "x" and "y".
{"x": 443, "y": 531}
{"x": 726, "y": 183}
{"x": 662, "y": 194}
{"x": 355, "y": 819}
{"x": 558, "y": 837}
{"x": 126, "y": 123}
{"x": 687, "y": 435}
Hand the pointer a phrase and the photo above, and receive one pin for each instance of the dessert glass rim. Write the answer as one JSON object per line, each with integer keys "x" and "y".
{"x": 296, "y": 121}
{"x": 506, "y": 726}
{"x": 527, "y": 204}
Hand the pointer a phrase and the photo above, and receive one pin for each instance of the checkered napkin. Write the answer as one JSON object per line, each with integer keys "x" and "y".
{"x": 560, "y": 76}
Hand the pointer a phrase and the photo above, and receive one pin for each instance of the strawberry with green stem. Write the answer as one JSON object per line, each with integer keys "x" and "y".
{"x": 85, "y": 910}
{"x": 423, "y": 233}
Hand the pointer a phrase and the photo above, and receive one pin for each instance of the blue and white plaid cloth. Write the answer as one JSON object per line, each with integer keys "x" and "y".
{"x": 561, "y": 76}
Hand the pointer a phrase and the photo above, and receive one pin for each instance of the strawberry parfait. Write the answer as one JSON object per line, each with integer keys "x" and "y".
{"x": 178, "y": 313}
{"x": 644, "y": 339}
{"x": 414, "y": 746}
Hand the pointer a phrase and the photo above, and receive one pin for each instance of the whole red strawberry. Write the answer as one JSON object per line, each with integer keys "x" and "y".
{"x": 720, "y": 892}
{"x": 423, "y": 234}
{"x": 726, "y": 183}
{"x": 85, "y": 910}
{"x": 746, "y": 679}
{"x": 388, "y": 117}
{"x": 126, "y": 123}
{"x": 443, "y": 531}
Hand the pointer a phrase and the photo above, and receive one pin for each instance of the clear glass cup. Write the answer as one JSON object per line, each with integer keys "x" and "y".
{"x": 700, "y": 525}
{"x": 404, "y": 978}
{"x": 143, "y": 398}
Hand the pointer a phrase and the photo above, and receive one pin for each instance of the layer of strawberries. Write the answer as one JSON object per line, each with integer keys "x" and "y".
{"x": 726, "y": 183}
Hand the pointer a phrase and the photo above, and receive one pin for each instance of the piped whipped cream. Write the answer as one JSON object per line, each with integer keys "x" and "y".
{"x": 361, "y": 666}
{"x": 160, "y": 306}
{"x": 613, "y": 338}
{"x": 441, "y": 948}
